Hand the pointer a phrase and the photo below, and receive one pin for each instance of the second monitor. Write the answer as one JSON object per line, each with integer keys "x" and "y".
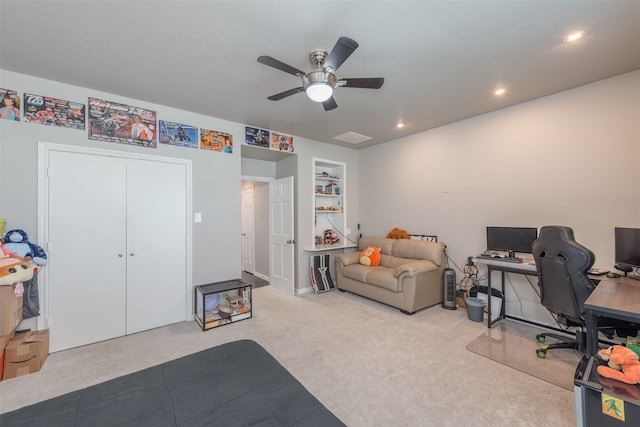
{"x": 511, "y": 239}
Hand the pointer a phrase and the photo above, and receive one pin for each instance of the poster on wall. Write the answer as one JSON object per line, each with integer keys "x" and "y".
{"x": 214, "y": 140}
{"x": 255, "y": 136}
{"x": 45, "y": 110}
{"x": 281, "y": 142}
{"x": 123, "y": 124}
{"x": 177, "y": 134}
{"x": 10, "y": 106}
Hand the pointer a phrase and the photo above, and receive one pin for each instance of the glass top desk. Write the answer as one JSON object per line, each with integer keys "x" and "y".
{"x": 617, "y": 298}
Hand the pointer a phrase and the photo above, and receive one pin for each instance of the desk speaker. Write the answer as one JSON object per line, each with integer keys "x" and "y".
{"x": 449, "y": 282}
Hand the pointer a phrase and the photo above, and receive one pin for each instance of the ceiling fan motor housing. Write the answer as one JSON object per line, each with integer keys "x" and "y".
{"x": 322, "y": 77}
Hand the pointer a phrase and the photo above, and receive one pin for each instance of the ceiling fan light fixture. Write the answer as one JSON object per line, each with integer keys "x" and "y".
{"x": 319, "y": 85}
{"x": 319, "y": 92}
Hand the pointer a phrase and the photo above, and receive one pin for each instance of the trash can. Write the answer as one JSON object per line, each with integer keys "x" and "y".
{"x": 475, "y": 309}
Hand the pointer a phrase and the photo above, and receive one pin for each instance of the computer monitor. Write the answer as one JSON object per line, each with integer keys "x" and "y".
{"x": 512, "y": 239}
{"x": 627, "y": 247}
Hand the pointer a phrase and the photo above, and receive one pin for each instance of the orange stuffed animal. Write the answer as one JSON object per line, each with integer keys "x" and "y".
{"x": 370, "y": 256}
{"x": 623, "y": 364}
{"x": 396, "y": 233}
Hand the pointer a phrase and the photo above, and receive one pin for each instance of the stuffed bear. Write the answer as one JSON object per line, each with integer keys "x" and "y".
{"x": 17, "y": 241}
{"x": 396, "y": 233}
{"x": 370, "y": 256}
{"x": 623, "y": 364}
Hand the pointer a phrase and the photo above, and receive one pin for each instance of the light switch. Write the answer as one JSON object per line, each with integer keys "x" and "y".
{"x": 198, "y": 217}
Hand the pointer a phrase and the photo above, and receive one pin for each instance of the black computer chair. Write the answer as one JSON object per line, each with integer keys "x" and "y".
{"x": 562, "y": 265}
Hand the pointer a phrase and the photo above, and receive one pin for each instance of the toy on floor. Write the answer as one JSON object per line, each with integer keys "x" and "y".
{"x": 623, "y": 364}
{"x": 17, "y": 241}
{"x": 396, "y": 233}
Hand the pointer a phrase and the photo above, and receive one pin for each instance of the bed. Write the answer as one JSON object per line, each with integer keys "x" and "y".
{"x": 234, "y": 384}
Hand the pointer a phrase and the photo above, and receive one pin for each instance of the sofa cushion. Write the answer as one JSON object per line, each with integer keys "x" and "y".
{"x": 377, "y": 276}
{"x": 418, "y": 249}
{"x": 383, "y": 243}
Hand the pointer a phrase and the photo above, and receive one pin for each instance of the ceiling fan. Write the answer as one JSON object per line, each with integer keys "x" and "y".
{"x": 320, "y": 83}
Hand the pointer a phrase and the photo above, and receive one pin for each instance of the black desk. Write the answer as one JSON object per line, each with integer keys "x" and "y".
{"x": 614, "y": 298}
{"x": 495, "y": 264}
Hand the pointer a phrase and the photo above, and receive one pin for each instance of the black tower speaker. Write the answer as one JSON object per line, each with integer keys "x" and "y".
{"x": 449, "y": 279}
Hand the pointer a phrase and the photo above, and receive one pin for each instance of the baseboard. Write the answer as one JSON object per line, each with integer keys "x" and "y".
{"x": 307, "y": 290}
{"x": 261, "y": 276}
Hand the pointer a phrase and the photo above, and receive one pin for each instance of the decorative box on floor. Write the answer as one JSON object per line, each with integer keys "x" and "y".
{"x": 221, "y": 303}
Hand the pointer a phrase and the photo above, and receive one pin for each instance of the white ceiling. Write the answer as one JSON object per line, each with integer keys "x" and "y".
{"x": 441, "y": 60}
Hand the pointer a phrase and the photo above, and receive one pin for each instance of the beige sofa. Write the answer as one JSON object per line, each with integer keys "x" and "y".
{"x": 409, "y": 277}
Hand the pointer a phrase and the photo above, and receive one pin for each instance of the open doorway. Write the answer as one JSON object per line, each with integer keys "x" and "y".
{"x": 255, "y": 233}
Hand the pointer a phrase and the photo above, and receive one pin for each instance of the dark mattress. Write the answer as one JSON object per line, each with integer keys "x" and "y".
{"x": 234, "y": 384}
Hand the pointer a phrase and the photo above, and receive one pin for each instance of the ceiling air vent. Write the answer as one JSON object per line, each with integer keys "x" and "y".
{"x": 352, "y": 138}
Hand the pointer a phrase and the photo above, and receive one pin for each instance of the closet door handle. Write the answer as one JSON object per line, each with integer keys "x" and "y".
{"x": 131, "y": 254}
{"x": 119, "y": 255}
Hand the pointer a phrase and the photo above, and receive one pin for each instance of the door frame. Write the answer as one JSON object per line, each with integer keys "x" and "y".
{"x": 245, "y": 222}
{"x": 44, "y": 148}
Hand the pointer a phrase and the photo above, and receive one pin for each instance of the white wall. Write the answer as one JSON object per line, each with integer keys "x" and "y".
{"x": 569, "y": 159}
{"x": 217, "y": 177}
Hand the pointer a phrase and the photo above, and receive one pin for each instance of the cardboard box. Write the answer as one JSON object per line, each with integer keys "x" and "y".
{"x": 26, "y": 353}
{"x": 10, "y": 309}
{"x": 4, "y": 339}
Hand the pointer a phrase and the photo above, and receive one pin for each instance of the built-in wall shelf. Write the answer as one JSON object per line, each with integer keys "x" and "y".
{"x": 329, "y": 205}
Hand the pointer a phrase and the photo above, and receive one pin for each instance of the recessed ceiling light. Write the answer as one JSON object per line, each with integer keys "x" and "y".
{"x": 500, "y": 92}
{"x": 573, "y": 37}
{"x": 400, "y": 125}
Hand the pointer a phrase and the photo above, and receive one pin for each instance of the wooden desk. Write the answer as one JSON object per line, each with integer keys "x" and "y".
{"x": 496, "y": 264}
{"x": 614, "y": 298}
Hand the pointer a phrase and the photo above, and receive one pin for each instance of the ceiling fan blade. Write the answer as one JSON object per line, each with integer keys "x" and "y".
{"x": 330, "y": 104}
{"x": 341, "y": 51}
{"x": 272, "y": 62}
{"x": 365, "y": 83}
{"x": 279, "y": 96}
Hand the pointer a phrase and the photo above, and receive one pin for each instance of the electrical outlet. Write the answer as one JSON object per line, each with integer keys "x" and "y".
{"x": 348, "y": 231}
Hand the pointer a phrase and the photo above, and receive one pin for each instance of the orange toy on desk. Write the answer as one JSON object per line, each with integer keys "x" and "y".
{"x": 623, "y": 364}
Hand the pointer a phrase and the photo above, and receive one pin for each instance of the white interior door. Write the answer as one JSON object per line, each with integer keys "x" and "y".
{"x": 156, "y": 244}
{"x": 86, "y": 245}
{"x": 281, "y": 239}
{"x": 248, "y": 230}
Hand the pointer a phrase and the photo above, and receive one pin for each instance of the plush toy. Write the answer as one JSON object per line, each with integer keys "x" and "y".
{"x": 396, "y": 233}
{"x": 370, "y": 256}
{"x": 623, "y": 364}
{"x": 17, "y": 241}
{"x": 14, "y": 269}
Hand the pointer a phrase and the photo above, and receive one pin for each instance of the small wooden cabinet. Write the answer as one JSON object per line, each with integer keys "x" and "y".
{"x": 221, "y": 303}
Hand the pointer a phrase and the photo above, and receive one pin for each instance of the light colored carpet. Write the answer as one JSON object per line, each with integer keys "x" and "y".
{"x": 367, "y": 363}
{"x": 514, "y": 344}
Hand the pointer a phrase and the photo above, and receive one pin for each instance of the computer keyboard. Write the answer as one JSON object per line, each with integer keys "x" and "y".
{"x": 500, "y": 258}
{"x": 597, "y": 271}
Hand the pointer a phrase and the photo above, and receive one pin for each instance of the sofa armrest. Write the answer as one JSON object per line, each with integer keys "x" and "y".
{"x": 348, "y": 258}
{"x": 414, "y": 267}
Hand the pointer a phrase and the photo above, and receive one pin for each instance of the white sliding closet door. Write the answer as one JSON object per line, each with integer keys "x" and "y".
{"x": 86, "y": 249}
{"x": 117, "y": 246}
{"x": 156, "y": 244}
